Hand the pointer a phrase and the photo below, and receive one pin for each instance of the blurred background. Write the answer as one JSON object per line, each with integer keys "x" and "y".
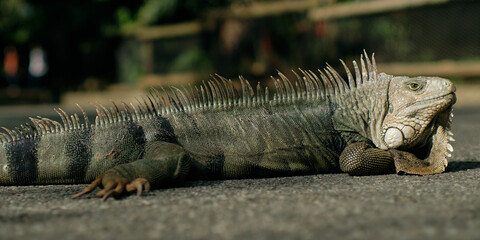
{"x": 89, "y": 51}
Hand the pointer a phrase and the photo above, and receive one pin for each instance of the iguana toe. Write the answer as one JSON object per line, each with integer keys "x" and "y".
{"x": 138, "y": 185}
{"x": 112, "y": 187}
{"x": 92, "y": 186}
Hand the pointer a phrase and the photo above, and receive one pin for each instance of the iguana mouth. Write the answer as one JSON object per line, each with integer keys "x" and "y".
{"x": 441, "y": 96}
{"x": 448, "y": 97}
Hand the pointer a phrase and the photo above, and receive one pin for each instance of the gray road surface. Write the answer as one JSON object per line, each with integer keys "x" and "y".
{"x": 332, "y": 206}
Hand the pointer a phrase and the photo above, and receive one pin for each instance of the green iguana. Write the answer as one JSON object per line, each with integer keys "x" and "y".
{"x": 372, "y": 123}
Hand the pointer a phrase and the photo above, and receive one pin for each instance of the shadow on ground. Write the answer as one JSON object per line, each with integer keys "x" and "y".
{"x": 462, "y": 166}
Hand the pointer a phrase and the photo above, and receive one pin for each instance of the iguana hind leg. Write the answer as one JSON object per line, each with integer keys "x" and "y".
{"x": 162, "y": 164}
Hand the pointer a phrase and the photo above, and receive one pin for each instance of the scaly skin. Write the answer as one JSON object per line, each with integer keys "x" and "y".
{"x": 372, "y": 123}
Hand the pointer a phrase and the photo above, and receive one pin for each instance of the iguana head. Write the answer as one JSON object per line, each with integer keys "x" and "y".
{"x": 418, "y": 116}
{"x": 415, "y": 106}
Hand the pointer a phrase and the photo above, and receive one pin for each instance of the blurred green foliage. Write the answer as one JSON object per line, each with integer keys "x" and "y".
{"x": 152, "y": 11}
{"x": 394, "y": 36}
{"x": 192, "y": 59}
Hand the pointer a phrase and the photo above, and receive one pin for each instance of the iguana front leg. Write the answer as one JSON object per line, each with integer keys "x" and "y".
{"x": 363, "y": 159}
{"x": 162, "y": 164}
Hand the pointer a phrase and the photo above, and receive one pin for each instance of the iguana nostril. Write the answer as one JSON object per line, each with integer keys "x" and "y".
{"x": 449, "y": 85}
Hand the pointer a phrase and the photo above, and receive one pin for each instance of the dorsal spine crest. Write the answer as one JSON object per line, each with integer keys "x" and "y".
{"x": 216, "y": 93}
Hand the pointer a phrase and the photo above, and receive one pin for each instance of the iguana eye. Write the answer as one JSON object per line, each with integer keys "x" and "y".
{"x": 414, "y": 86}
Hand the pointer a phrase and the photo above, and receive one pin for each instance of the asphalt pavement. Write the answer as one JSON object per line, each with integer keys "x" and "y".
{"x": 330, "y": 206}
